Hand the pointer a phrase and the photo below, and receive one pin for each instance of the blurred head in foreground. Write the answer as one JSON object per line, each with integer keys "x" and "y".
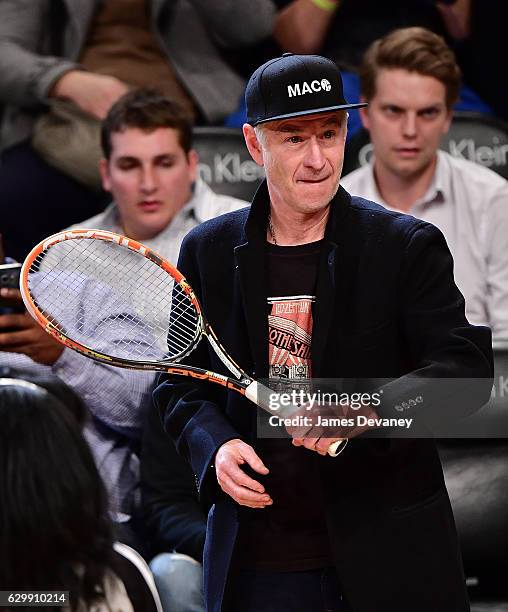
{"x": 55, "y": 532}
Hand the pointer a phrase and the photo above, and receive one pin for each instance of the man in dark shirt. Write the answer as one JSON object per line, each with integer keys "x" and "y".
{"x": 312, "y": 282}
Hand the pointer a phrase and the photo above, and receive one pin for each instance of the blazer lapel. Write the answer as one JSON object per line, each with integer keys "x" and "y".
{"x": 252, "y": 283}
{"x": 325, "y": 306}
{"x": 335, "y": 277}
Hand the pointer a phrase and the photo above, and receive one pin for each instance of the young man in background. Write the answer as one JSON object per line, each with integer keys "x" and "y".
{"x": 411, "y": 80}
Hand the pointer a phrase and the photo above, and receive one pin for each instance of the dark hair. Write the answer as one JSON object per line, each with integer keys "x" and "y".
{"x": 55, "y": 386}
{"x": 147, "y": 110}
{"x": 55, "y": 533}
{"x": 415, "y": 50}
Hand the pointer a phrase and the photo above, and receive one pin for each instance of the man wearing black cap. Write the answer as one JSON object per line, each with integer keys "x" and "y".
{"x": 311, "y": 282}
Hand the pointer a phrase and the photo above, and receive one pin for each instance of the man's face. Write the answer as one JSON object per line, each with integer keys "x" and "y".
{"x": 406, "y": 119}
{"x": 302, "y": 158}
{"x": 150, "y": 178}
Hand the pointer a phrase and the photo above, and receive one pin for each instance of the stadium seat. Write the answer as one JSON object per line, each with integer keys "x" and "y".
{"x": 473, "y": 136}
{"x": 225, "y": 163}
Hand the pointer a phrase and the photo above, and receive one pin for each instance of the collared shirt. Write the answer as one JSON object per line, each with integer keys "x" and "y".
{"x": 117, "y": 398}
{"x": 469, "y": 204}
{"x": 204, "y": 204}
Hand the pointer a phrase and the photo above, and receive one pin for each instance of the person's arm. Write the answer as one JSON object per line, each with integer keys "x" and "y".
{"x": 453, "y": 362}
{"x": 26, "y": 76}
{"x": 93, "y": 93}
{"x": 301, "y": 26}
{"x": 20, "y": 333}
{"x": 207, "y": 439}
{"x": 496, "y": 256}
{"x": 235, "y": 23}
{"x": 117, "y": 397}
{"x": 114, "y": 396}
{"x": 456, "y": 18}
{"x": 195, "y": 420}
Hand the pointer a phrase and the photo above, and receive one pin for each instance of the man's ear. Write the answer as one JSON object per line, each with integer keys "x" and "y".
{"x": 364, "y": 114}
{"x": 449, "y": 117}
{"x": 104, "y": 170}
{"x": 193, "y": 160}
{"x": 253, "y": 144}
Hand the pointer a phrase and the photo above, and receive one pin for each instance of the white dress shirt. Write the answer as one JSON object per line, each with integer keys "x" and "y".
{"x": 469, "y": 204}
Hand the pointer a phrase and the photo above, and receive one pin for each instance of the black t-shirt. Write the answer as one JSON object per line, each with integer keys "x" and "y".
{"x": 291, "y": 534}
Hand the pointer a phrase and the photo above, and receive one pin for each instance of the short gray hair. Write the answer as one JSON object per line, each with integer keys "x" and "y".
{"x": 259, "y": 130}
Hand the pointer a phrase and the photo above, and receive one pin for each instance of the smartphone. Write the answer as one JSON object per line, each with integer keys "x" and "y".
{"x": 9, "y": 277}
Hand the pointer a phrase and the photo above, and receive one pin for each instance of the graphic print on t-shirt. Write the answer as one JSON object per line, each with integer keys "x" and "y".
{"x": 289, "y": 336}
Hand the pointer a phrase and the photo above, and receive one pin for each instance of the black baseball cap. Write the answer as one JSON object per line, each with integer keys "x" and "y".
{"x": 294, "y": 85}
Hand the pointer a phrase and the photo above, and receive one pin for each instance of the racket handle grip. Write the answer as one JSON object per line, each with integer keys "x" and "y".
{"x": 336, "y": 448}
{"x": 257, "y": 393}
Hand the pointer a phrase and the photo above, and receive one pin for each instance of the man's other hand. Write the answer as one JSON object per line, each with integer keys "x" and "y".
{"x": 321, "y": 430}
{"x": 234, "y": 481}
{"x": 20, "y": 333}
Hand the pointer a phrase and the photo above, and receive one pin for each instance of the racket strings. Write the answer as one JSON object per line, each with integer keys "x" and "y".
{"x": 182, "y": 321}
{"x": 113, "y": 300}
{"x": 90, "y": 261}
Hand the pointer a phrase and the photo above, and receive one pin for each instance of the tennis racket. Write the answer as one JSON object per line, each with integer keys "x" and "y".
{"x": 118, "y": 302}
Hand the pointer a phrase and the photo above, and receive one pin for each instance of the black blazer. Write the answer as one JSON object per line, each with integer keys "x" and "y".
{"x": 386, "y": 306}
